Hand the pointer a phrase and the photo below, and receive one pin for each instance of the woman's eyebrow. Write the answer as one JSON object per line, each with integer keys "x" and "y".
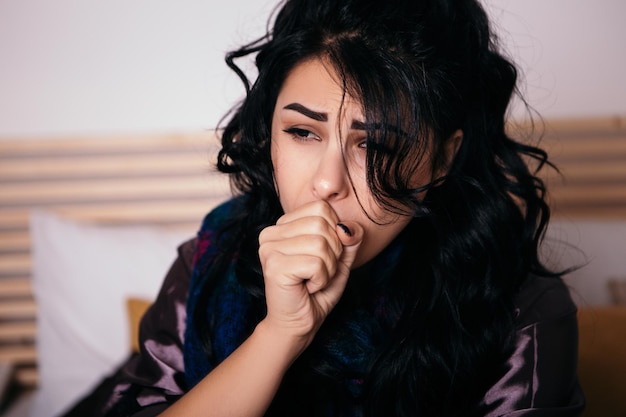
{"x": 323, "y": 117}
{"x": 359, "y": 125}
{"x": 386, "y": 127}
{"x": 319, "y": 116}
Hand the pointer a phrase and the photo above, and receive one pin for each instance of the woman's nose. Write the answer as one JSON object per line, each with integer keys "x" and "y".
{"x": 330, "y": 181}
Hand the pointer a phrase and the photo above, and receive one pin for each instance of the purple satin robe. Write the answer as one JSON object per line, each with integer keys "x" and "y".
{"x": 538, "y": 379}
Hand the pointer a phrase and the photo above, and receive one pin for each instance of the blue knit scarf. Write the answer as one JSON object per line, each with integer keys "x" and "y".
{"x": 347, "y": 343}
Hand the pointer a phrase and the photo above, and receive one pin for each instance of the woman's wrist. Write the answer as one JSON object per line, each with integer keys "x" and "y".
{"x": 289, "y": 345}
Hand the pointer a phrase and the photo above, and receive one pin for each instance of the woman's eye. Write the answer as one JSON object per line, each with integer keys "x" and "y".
{"x": 301, "y": 134}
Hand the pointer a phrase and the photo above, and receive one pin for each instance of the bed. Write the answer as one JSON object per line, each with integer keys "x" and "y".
{"x": 88, "y": 226}
{"x": 62, "y": 202}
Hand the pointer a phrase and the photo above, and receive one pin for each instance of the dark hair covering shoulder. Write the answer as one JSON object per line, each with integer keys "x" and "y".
{"x": 423, "y": 69}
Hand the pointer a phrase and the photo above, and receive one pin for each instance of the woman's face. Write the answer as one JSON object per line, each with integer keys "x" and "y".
{"x": 318, "y": 151}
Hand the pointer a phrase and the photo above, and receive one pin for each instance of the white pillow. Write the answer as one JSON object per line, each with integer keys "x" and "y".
{"x": 82, "y": 276}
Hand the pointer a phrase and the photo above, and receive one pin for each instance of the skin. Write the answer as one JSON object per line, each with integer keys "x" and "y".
{"x": 318, "y": 153}
{"x": 312, "y": 134}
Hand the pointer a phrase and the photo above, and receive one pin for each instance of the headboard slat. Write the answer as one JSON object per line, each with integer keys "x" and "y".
{"x": 171, "y": 212}
{"x": 108, "y": 144}
{"x": 123, "y": 189}
{"x": 17, "y": 331}
{"x": 115, "y": 165}
{"x": 19, "y": 355}
{"x": 17, "y": 309}
{"x": 16, "y": 264}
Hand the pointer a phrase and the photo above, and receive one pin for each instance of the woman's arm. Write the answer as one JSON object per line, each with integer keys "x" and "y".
{"x": 306, "y": 260}
{"x": 245, "y": 383}
{"x": 539, "y": 376}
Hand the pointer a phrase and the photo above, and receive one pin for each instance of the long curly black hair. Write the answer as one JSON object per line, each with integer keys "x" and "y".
{"x": 423, "y": 70}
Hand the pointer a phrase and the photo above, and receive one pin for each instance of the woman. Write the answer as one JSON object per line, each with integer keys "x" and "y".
{"x": 380, "y": 255}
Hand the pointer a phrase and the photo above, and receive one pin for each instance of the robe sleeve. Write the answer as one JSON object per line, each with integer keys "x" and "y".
{"x": 539, "y": 376}
{"x": 154, "y": 378}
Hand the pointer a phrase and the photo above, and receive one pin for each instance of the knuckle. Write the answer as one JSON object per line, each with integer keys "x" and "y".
{"x": 263, "y": 236}
{"x": 270, "y": 264}
{"x": 319, "y": 225}
{"x": 317, "y": 243}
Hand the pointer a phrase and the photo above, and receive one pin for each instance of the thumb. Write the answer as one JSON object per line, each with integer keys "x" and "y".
{"x": 351, "y": 236}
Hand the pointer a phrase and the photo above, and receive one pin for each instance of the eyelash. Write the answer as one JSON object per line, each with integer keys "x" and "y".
{"x": 303, "y": 135}
{"x": 300, "y": 134}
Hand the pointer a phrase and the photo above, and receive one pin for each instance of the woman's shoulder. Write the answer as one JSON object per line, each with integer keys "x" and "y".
{"x": 186, "y": 251}
{"x": 222, "y": 212}
{"x": 542, "y": 299}
{"x": 215, "y": 223}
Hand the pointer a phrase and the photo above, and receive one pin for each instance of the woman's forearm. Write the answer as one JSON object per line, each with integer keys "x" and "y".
{"x": 245, "y": 383}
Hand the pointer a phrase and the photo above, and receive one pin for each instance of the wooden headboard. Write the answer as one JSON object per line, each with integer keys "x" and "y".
{"x": 168, "y": 180}
{"x": 164, "y": 180}
{"x": 591, "y": 157}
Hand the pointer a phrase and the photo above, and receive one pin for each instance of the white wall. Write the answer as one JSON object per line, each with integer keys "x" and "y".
{"x": 76, "y": 67}
{"x": 572, "y": 52}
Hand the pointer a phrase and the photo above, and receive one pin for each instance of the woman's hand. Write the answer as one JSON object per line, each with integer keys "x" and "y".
{"x": 306, "y": 259}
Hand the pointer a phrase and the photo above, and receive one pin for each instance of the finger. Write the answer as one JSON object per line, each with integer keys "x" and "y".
{"x": 288, "y": 271}
{"x": 323, "y": 236}
{"x": 351, "y": 235}
{"x": 318, "y": 208}
{"x": 304, "y": 245}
